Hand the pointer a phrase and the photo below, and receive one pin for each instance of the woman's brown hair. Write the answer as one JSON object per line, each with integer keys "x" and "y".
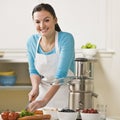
{"x": 48, "y": 8}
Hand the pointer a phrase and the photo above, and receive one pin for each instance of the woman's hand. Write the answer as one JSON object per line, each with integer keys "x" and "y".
{"x": 36, "y": 104}
{"x": 33, "y": 94}
{"x": 42, "y": 103}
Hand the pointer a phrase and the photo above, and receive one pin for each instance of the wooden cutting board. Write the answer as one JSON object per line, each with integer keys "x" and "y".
{"x": 31, "y": 118}
{"x": 36, "y": 117}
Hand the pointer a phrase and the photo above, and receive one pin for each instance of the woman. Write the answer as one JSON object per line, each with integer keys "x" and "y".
{"x": 51, "y": 57}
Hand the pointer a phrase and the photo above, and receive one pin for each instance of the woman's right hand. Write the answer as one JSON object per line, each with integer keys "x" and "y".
{"x": 33, "y": 94}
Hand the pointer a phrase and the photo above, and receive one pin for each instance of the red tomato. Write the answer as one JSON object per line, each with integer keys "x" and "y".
{"x": 12, "y": 116}
{"x": 95, "y": 111}
{"x": 4, "y": 115}
{"x": 17, "y": 115}
{"x": 92, "y": 110}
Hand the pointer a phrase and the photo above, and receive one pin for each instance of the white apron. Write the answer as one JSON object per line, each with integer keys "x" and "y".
{"x": 46, "y": 65}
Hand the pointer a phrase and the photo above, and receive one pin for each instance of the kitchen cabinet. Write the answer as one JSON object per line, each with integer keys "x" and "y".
{"x": 15, "y": 97}
{"x": 21, "y": 71}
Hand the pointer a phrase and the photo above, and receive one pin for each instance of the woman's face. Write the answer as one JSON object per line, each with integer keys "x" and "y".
{"x": 44, "y": 23}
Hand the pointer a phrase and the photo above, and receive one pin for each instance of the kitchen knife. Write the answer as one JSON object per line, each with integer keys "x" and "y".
{"x": 26, "y": 108}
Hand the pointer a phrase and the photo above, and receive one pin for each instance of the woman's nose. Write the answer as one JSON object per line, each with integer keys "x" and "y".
{"x": 42, "y": 25}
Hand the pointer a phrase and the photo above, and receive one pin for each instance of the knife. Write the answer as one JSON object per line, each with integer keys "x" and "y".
{"x": 26, "y": 108}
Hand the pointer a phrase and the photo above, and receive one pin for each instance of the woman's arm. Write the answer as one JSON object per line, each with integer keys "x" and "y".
{"x": 34, "y": 75}
{"x": 67, "y": 56}
{"x": 51, "y": 92}
{"x": 35, "y": 81}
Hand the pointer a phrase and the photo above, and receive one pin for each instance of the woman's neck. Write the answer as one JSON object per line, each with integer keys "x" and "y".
{"x": 47, "y": 43}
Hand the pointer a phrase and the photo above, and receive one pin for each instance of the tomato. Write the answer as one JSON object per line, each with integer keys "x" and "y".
{"x": 90, "y": 111}
{"x": 7, "y": 115}
{"x": 95, "y": 111}
{"x": 4, "y": 115}
{"x": 17, "y": 115}
{"x": 12, "y": 116}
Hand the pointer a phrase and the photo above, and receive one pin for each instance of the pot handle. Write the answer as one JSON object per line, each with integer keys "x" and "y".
{"x": 94, "y": 94}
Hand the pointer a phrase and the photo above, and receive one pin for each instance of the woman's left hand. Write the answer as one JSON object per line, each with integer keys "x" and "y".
{"x": 36, "y": 104}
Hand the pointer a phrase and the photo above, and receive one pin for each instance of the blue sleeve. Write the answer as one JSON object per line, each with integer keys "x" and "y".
{"x": 67, "y": 55}
{"x": 31, "y": 50}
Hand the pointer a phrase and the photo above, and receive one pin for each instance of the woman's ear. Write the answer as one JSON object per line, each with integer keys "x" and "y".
{"x": 56, "y": 20}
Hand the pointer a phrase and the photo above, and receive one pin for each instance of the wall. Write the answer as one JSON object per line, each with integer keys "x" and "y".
{"x": 107, "y": 75}
{"x": 15, "y": 100}
{"x": 85, "y": 19}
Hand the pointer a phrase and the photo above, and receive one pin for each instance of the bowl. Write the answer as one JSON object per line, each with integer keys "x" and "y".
{"x": 90, "y": 116}
{"x": 67, "y": 115}
{"x": 89, "y": 53}
{"x": 7, "y": 80}
{"x": 7, "y": 73}
{"x": 52, "y": 112}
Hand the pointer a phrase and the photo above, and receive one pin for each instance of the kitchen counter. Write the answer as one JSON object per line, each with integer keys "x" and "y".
{"x": 108, "y": 118}
{"x": 2, "y": 119}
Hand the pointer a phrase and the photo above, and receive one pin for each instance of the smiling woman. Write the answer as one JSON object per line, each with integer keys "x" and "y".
{"x": 89, "y": 25}
{"x": 50, "y": 57}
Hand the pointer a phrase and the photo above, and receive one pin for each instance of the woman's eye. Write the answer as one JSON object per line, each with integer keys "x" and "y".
{"x": 37, "y": 22}
{"x": 47, "y": 20}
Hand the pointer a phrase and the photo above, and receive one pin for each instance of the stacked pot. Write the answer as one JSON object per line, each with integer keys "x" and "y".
{"x": 81, "y": 88}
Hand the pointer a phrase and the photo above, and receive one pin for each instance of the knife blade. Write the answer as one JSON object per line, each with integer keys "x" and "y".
{"x": 26, "y": 108}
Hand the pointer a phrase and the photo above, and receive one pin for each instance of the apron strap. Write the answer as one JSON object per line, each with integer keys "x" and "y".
{"x": 56, "y": 43}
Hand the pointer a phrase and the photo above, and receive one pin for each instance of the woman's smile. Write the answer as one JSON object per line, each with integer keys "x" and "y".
{"x": 44, "y": 30}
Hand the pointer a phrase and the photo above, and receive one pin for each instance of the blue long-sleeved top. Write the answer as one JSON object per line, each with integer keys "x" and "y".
{"x": 66, "y": 50}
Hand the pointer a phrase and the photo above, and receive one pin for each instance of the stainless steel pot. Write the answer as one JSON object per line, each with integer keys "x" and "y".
{"x": 78, "y": 85}
{"x": 81, "y": 94}
{"x": 80, "y": 100}
{"x": 84, "y": 67}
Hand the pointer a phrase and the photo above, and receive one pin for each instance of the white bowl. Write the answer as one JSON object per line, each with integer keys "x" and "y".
{"x": 67, "y": 115}
{"x": 89, "y": 53}
{"x": 52, "y": 112}
{"x": 90, "y": 116}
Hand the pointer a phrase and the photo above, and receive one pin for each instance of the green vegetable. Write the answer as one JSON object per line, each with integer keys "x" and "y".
{"x": 26, "y": 113}
{"x": 93, "y": 46}
{"x": 88, "y": 45}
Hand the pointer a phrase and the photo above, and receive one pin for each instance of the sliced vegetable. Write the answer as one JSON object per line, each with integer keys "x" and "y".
{"x": 26, "y": 113}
